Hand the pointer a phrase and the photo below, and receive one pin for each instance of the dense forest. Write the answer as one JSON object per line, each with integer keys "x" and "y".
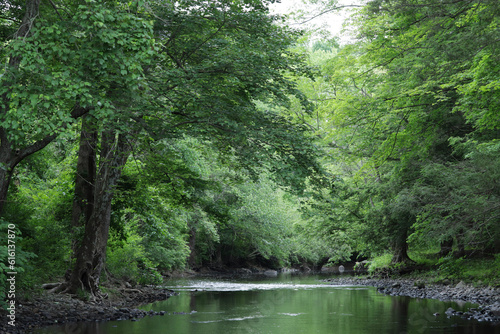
{"x": 142, "y": 137}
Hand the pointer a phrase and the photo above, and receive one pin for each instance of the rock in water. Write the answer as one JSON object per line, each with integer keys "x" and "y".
{"x": 271, "y": 273}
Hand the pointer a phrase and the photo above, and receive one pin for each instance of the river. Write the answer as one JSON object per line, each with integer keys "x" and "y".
{"x": 287, "y": 304}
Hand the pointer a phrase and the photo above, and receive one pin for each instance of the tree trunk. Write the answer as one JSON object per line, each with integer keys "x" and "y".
{"x": 83, "y": 202}
{"x": 192, "y": 248}
{"x": 91, "y": 254}
{"x": 5, "y": 177}
{"x": 460, "y": 244}
{"x": 6, "y": 166}
{"x": 401, "y": 253}
{"x": 446, "y": 247}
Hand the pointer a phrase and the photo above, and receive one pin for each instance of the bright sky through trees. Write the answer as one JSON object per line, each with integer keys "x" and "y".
{"x": 306, "y": 15}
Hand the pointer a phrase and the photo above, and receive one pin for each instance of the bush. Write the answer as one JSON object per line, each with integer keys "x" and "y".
{"x": 451, "y": 268}
{"x": 380, "y": 262}
{"x": 129, "y": 262}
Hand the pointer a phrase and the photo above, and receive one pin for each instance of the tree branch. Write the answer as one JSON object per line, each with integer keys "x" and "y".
{"x": 77, "y": 112}
{"x": 328, "y": 11}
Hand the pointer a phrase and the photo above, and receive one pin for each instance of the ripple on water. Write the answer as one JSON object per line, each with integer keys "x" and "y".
{"x": 235, "y": 286}
{"x": 229, "y": 319}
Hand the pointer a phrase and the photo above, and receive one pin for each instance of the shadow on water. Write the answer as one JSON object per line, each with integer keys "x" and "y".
{"x": 286, "y": 304}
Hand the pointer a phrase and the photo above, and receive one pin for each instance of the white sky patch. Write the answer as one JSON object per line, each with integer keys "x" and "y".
{"x": 310, "y": 18}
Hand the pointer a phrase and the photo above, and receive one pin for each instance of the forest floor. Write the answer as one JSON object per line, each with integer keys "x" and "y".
{"x": 486, "y": 297}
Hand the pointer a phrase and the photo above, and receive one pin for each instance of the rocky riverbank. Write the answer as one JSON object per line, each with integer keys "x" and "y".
{"x": 55, "y": 309}
{"x": 488, "y": 298}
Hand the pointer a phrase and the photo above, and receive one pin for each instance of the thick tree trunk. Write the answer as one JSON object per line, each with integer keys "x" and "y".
{"x": 91, "y": 254}
{"x": 400, "y": 254}
{"x": 83, "y": 202}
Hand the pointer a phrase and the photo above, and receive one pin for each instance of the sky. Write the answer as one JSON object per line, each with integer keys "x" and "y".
{"x": 332, "y": 21}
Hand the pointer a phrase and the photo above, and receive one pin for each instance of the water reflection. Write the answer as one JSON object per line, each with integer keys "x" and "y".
{"x": 286, "y": 306}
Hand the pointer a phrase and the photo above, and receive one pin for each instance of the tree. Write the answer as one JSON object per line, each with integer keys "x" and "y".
{"x": 409, "y": 94}
{"x": 212, "y": 61}
{"x": 81, "y": 57}
{"x": 61, "y": 62}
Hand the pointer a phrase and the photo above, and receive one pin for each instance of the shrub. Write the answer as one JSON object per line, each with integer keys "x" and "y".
{"x": 451, "y": 268}
{"x": 130, "y": 262}
{"x": 380, "y": 262}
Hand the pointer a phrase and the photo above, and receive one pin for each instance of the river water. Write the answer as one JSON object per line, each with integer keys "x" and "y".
{"x": 287, "y": 304}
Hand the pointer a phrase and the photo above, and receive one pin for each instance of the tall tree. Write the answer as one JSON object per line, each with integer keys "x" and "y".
{"x": 61, "y": 60}
{"x": 212, "y": 61}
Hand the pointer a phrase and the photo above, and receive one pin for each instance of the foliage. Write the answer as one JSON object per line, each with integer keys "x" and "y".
{"x": 67, "y": 60}
{"x": 451, "y": 267}
{"x": 188, "y": 197}
{"x": 40, "y": 208}
{"x": 261, "y": 224}
{"x": 246, "y": 152}
{"x": 131, "y": 263}
{"x": 479, "y": 271}
{"x": 407, "y": 113}
{"x": 178, "y": 78}
{"x": 380, "y": 262}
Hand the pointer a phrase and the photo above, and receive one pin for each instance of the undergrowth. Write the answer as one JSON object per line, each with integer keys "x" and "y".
{"x": 477, "y": 271}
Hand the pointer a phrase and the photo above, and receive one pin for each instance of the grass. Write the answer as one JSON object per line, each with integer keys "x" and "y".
{"x": 379, "y": 262}
{"x": 476, "y": 271}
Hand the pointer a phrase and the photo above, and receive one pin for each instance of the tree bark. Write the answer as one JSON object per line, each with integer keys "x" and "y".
{"x": 83, "y": 202}
{"x": 5, "y": 177}
{"x": 400, "y": 254}
{"x": 91, "y": 254}
{"x": 192, "y": 248}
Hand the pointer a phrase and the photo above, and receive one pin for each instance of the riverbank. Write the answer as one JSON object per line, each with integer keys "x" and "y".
{"x": 47, "y": 308}
{"x": 488, "y": 298}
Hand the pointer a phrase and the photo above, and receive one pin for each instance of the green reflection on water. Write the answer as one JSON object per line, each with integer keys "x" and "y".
{"x": 287, "y": 308}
